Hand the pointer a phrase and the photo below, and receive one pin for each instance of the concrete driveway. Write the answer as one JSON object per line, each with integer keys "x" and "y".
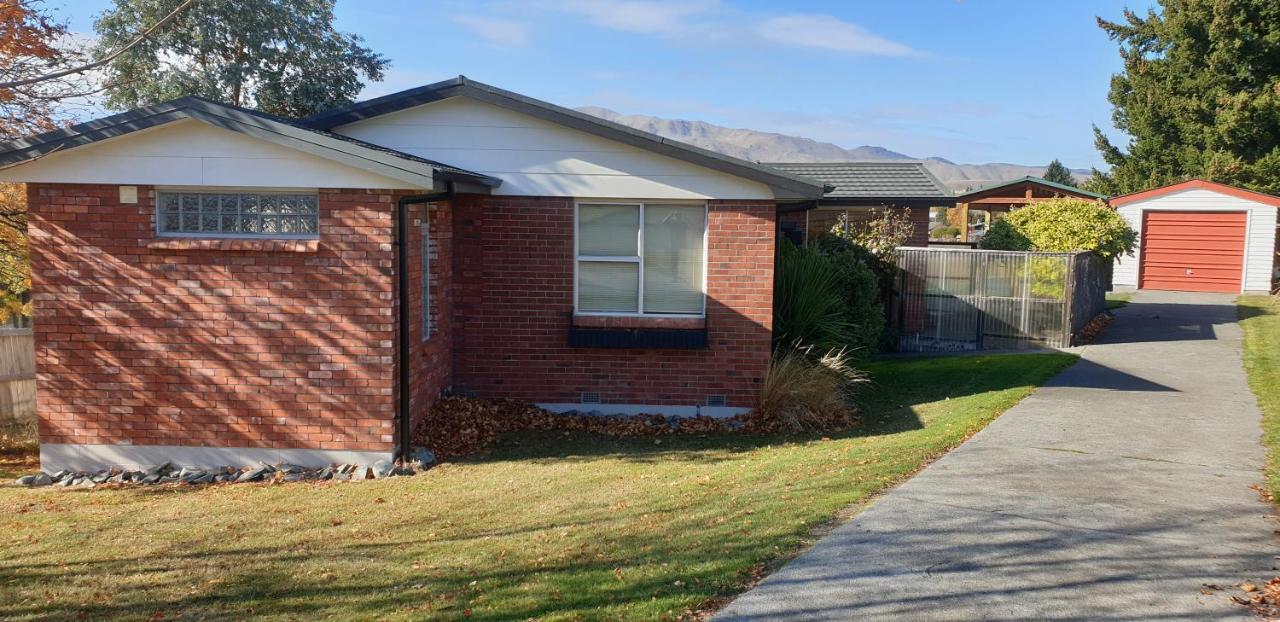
{"x": 1113, "y": 493}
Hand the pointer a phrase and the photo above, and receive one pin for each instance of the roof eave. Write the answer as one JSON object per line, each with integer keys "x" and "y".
{"x": 418, "y": 174}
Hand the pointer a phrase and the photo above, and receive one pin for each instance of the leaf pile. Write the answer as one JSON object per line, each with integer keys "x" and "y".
{"x": 1263, "y": 600}
{"x": 1093, "y": 329}
{"x": 459, "y": 426}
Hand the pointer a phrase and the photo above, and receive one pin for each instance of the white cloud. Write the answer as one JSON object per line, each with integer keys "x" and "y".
{"x": 831, "y": 33}
{"x": 503, "y": 32}
{"x": 661, "y": 17}
{"x": 710, "y": 21}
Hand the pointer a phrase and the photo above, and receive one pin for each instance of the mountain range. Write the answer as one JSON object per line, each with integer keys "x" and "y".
{"x": 759, "y": 146}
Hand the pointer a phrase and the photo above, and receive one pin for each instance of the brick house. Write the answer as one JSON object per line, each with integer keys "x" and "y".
{"x": 216, "y": 286}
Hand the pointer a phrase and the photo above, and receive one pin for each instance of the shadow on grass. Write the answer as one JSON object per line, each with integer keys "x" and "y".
{"x": 888, "y": 404}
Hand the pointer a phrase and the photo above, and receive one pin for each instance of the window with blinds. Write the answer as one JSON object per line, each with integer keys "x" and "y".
{"x": 641, "y": 258}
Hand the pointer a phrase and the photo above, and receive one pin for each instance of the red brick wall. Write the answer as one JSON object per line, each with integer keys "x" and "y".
{"x": 513, "y": 275}
{"x": 142, "y": 341}
{"x": 431, "y": 360}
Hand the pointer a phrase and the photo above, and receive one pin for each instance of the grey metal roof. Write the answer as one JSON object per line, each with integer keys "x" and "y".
{"x": 420, "y": 172}
{"x": 871, "y": 180}
{"x": 784, "y": 184}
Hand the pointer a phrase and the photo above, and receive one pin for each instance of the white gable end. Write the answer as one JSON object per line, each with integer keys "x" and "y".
{"x": 192, "y": 153}
{"x": 535, "y": 157}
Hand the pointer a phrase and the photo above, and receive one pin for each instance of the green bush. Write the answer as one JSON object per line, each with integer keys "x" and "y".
{"x": 945, "y": 232}
{"x": 827, "y": 299}
{"x": 1063, "y": 225}
{"x": 808, "y": 301}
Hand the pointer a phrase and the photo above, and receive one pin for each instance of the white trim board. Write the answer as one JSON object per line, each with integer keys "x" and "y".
{"x": 56, "y": 457}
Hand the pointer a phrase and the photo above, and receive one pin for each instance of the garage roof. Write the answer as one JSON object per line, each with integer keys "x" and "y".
{"x": 1197, "y": 184}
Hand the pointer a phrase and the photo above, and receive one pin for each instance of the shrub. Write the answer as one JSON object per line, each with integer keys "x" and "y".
{"x": 1003, "y": 236}
{"x": 809, "y": 302}
{"x": 828, "y": 299}
{"x": 882, "y": 234}
{"x": 803, "y": 392}
{"x": 1064, "y": 225}
{"x": 945, "y": 232}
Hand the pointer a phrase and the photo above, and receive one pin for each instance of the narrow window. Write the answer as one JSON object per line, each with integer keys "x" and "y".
{"x": 641, "y": 259}
{"x": 426, "y": 273}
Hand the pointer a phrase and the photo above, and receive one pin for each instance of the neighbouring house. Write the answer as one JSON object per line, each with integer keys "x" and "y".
{"x": 997, "y": 200}
{"x": 1199, "y": 236}
{"x": 216, "y": 286}
{"x": 858, "y": 190}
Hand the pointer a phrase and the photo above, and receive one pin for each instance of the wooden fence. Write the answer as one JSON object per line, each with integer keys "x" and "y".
{"x": 17, "y": 376}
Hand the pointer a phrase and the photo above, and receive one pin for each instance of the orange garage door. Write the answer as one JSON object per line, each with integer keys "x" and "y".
{"x": 1192, "y": 251}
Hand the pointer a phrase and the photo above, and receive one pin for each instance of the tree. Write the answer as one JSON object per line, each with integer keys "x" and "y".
{"x": 283, "y": 57}
{"x": 1063, "y": 225}
{"x": 15, "y": 255}
{"x": 1059, "y": 174}
{"x": 1199, "y": 96}
{"x": 33, "y": 44}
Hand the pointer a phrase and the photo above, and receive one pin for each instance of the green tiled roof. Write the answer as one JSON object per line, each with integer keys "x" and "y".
{"x": 871, "y": 180}
{"x": 1038, "y": 181}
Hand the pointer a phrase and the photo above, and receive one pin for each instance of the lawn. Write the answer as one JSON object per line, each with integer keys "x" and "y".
{"x": 1115, "y": 300}
{"x": 1260, "y": 318}
{"x": 548, "y": 526}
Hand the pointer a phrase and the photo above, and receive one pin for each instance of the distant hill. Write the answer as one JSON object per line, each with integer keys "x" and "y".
{"x": 770, "y": 147}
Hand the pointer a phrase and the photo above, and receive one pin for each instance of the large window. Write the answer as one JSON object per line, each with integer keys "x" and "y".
{"x": 641, "y": 258}
{"x": 238, "y": 214}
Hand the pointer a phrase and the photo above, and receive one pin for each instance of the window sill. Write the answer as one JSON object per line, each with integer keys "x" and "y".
{"x": 235, "y": 244}
{"x": 634, "y": 321}
{"x": 638, "y": 332}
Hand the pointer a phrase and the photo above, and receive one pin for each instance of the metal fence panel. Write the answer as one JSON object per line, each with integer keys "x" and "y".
{"x": 951, "y": 299}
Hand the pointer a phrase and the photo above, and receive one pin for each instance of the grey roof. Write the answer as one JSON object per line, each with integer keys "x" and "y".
{"x": 420, "y": 172}
{"x": 1038, "y": 181}
{"x": 784, "y": 185}
{"x": 871, "y": 180}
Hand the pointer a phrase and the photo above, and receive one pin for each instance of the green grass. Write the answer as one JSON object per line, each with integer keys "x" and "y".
{"x": 1116, "y": 300}
{"x": 1260, "y": 318}
{"x": 547, "y": 526}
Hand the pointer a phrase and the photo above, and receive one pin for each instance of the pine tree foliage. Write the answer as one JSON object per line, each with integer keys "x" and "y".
{"x": 1059, "y": 174}
{"x": 1199, "y": 96}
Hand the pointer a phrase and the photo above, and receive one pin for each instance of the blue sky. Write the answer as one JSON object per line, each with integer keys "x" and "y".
{"x": 968, "y": 80}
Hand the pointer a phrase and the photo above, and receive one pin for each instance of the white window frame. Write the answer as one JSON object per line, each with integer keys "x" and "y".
{"x": 637, "y": 259}
{"x": 161, "y": 190}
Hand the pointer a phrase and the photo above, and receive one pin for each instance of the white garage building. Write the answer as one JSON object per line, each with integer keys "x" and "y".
{"x": 1199, "y": 236}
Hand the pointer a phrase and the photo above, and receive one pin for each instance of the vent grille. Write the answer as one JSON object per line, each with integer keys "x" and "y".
{"x": 590, "y": 397}
{"x": 715, "y": 400}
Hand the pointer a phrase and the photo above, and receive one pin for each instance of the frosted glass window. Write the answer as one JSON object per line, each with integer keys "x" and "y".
{"x": 238, "y": 214}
